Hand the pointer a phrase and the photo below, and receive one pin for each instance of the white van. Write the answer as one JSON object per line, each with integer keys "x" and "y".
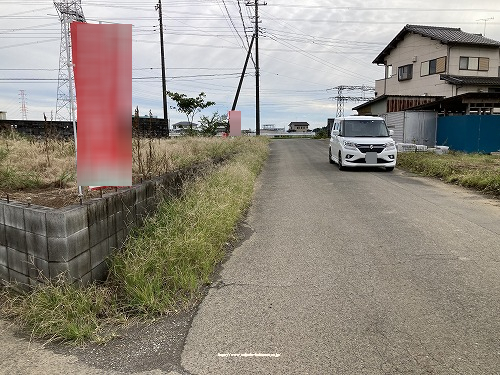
{"x": 362, "y": 141}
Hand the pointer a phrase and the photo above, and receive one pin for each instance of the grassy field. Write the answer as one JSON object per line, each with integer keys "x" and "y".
{"x": 477, "y": 171}
{"x": 164, "y": 265}
{"x": 43, "y": 171}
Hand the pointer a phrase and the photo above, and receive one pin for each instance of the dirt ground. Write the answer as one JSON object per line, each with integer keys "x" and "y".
{"x": 51, "y": 197}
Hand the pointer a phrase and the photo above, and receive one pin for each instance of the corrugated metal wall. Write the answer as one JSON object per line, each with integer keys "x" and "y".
{"x": 417, "y": 127}
{"x": 471, "y": 133}
{"x": 395, "y": 121}
{"x": 420, "y": 128}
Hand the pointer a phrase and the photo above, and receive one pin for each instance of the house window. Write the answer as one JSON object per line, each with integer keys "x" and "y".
{"x": 433, "y": 66}
{"x": 405, "y": 72}
{"x": 474, "y": 63}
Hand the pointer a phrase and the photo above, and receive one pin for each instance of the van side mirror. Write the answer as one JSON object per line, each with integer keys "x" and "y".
{"x": 391, "y": 133}
{"x": 335, "y": 132}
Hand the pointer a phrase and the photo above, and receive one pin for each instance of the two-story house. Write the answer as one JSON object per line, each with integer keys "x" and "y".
{"x": 298, "y": 126}
{"x": 426, "y": 63}
{"x": 433, "y": 72}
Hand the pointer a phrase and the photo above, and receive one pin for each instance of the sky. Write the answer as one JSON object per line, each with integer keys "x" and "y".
{"x": 306, "y": 49}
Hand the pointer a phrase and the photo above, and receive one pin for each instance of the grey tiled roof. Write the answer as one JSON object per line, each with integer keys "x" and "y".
{"x": 446, "y": 35}
{"x": 450, "y": 35}
{"x": 468, "y": 80}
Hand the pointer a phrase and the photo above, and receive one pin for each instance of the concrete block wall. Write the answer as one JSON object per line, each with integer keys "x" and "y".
{"x": 39, "y": 242}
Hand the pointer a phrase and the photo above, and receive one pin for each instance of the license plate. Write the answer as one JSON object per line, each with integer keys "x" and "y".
{"x": 371, "y": 158}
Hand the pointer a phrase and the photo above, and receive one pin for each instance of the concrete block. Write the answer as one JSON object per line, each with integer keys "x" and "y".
{"x": 17, "y": 260}
{"x": 3, "y": 238}
{"x": 119, "y": 221}
{"x": 75, "y": 269}
{"x": 99, "y": 253}
{"x": 63, "y": 223}
{"x": 3, "y": 256}
{"x": 14, "y": 215}
{"x": 4, "y": 274}
{"x": 111, "y": 225}
{"x": 36, "y": 245}
{"x": 128, "y": 199}
{"x": 140, "y": 193}
{"x": 76, "y": 218}
{"x": 100, "y": 272}
{"x": 129, "y": 214}
{"x": 151, "y": 205}
{"x": 85, "y": 279}
{"x": 120, "y": 238}
{"x": 34, "y": 221}
{"x": 101, "y": 210}
{"x": 38, "y": 269}
{"x": 112, "y": 242}
{"x": 65, "y": 249}
{"x": 98, "y": 232}
{"x": 150, "y": 189}
{"x": 16, "y": 277}
{"x": 140, "y": 212}
{"x": 91, "y": 212}
{"x": 114, "y": 204}
{"x": 2, "y": 219}
{"x": 15, "y": 238}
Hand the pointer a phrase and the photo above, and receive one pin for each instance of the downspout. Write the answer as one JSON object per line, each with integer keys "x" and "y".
{"x": 448, "y": 56}
{"x": 386, "y": 70}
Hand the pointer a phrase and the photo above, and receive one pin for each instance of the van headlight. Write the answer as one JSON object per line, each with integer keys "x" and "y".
{"x": 390, "y": 146}
{"x": 350, "y": 145}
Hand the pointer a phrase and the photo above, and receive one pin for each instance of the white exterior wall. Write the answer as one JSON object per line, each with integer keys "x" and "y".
{"x": 425, "y": 49}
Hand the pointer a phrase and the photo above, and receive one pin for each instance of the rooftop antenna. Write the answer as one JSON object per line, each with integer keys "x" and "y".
{"x": 485, "y": 20}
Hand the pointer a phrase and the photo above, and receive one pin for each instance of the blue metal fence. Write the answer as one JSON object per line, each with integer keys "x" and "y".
{"x": 471, "y": 133}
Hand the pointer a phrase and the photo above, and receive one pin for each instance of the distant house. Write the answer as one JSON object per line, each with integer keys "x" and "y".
{"x": 3, "y": 115}
{"x": 298, "y": 127}
{"x": 183, "y": 125}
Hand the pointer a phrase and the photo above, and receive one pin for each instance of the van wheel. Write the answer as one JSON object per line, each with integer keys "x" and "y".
{"x": 341, "y": 167}
{"x": 330, "y": 156}
{"x": 389, "y": 169}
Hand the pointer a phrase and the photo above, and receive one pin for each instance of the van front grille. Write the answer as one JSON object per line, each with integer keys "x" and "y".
{"x": 364, "y": 148}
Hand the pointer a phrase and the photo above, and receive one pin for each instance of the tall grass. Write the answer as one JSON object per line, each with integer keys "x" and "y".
{"x": 163, "y": 265}
{"x": 477, "y": 171}
{"x": 27, "y": 162}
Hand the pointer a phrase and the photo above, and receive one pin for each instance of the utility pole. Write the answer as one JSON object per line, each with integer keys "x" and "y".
{"x": 163, "y": 80}
{"x": 257, "y": 71}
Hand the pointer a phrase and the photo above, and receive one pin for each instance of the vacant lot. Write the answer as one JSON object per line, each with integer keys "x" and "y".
{"x": 43, "y": 171}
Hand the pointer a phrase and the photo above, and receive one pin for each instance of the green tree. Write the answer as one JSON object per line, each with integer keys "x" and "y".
{"x": 189, "y": 106}
{"x": 209, "y": 125}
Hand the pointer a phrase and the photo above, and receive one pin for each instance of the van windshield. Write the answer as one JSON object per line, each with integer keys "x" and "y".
{"x": 365, "y": 128}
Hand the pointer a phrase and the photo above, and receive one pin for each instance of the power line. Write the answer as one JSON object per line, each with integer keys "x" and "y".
{"x": 232, "y": 23}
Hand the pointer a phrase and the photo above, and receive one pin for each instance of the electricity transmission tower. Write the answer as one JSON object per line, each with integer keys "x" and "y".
{"x": 24, "y": 109}
{"x": 341, "y": 98}
{"x": 69, "y": 11}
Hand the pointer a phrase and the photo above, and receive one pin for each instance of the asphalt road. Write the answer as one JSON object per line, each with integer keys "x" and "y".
{"x": 352, "y": 272}
{"x": 355, "y": 272}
